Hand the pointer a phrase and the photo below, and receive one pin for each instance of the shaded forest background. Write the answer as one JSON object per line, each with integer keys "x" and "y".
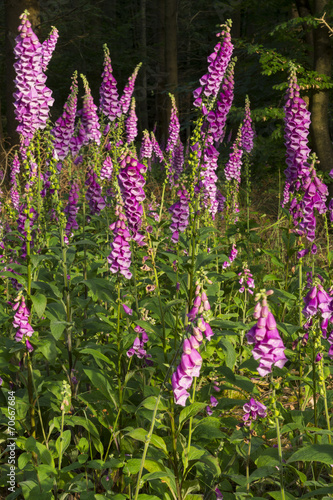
{"x": 172, "y": 39}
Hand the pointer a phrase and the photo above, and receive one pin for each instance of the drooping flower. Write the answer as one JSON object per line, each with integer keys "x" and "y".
{"x": 71, "y": 210}
{"x": 63, "y": 130}
{"x": 217, "y": 118}
{"x": 253, "y": 410}
{"x": 174, "y": 127}
{"x": 138, "y": 345}
{"x": 218, "y": 63}
{"x": 109, "y": 99}
{"x": 32, "y": 98}
{"x": 125, "y": 100}
{"x": 146, "y": 146}
{"x": 247, "y": 130}
{"x": 246, "y": 280}
{"x": 127, "y": 309}
{"x": 120, "y": 256}
{"x": 156, "y": 148}
{"x": 131, "y": 182}
{"x": 94, "y": 193}
{"x": 232, "y": 256}
{"x": 21, "y": 322}
{"x": 232, "y": 169}
{"x": 268, "y": 345}
{"x": 208, "y": 177}
{"x": 89, "y": 116}
{"x": 177, "y": 162}
{"x": 107, "y": 168}
{"x": 131, "y": 124}
{"x": 48, "y": 47}
{"x": 179, "y": 214}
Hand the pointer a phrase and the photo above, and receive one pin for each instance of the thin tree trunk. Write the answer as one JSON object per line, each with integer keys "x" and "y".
{"x": 320, "y": 99}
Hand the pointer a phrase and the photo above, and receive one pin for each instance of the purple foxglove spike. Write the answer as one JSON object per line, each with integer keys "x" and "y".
{"x": 125, "y": 100}
{"x": 90, "y": 121}
{"x": 158, "y": 155}
{"x": 247, "y": 130}
{"x": 174, "y": 127}
{"x": 180, "y": 213}
{"x": 48, "y": 47}
{"x": 32, "y": 98}
{"x": 146, "y": 146}
{"x": 107, "y": 168}
{"x": 109, "y": 99}
{"x": 177, "y": 162}
{"x": 131, "y": 124}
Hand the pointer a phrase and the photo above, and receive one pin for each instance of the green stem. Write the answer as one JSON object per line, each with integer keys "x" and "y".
{"x": 61, "y": 438}
{"x": 248, "y": 465}
{"x": 68, "y": 308}
{"x": 31, "y": 397}
{"x": 190, "y": 427}
{"x": 278, "y": 436}
{"x": 119, "y": 345}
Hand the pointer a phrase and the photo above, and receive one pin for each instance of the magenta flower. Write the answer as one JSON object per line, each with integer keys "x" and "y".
{"x": 146, "y": 146}
{"x": 232, "y": 256}
{"x": 109, "y": 99}
{"x": 218, "y": 493}
{"x": 32, "y": 98}
{"x": 125, "y": 100}
{"x": 174, "y": 127}
{"x": 131, "y": 124}
{"x": 127, "y": 309}
{"x": 131, "y": 182}
{"x": 179, "y": 214}
{"x": 94, "y": 193}
{"x": 157, "y": 152}
{"x": 63, "y": 130}
{"x": 268, "y": 345}
{"x": 21, "y": 322}
{"x": 90, "y": 121}
{"x": 218, "y": 62}
{"x": 253, "y": 410}
{"x": 246, "y": 280}
{"x": 208, "y": 177}
{"x": 48, "y": 47}
{"x": 120, "y": 256}
{"x": 233, "y": 167}
{"x": 71, "y": 210}
{"x": 247, "y": 130}
{"x": 106, "y": 170}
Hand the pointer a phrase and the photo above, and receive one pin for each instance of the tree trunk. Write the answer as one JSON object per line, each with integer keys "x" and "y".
{"x": 13, "y": 10}
{"x": 320, "y": 99}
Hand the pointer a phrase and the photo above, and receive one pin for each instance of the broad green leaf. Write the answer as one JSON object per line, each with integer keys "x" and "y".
{"x": 277, "y": 495}
{"x": 190, "y": 411}
{"x": 39, "y": 301}
{"x": 320, "y": 491}
{"x": 63, "y": 442}
{"x": 142, "y": 435}
{"x": 262, "y": 472}
{"x": 100, "y": 382}
{"x": 314, "y": 453}
{"x": 96, "y": 354}
{"x": 229, "y": 352}
{"x": 150, "y": 403}
{"x": 57, "y": 327}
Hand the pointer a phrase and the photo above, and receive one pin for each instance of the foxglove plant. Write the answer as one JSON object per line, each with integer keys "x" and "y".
{"x": 89, "y": 117}
{"x": 146, "y": 146}
{"x": 157, "y": 152}
{"x": 107, "y": 169}
{"x": 253, "y": 410}
{"x": 71, "y": 210}
{"x": 174, "y": 127}
{"x": 15, "y": 197}
{"x": 63, "y": 130}
{"x": 131, "y": 124}
{"x": 232, "y": 256}
{"x": 191, "y": 360}
{"x": 208, "y": 177}
{"x": 217, "y": 118}
{"x": 125, "y": 100}
{"x": 94, "y": 193}
{"x": 177, "y": 162}
{"x": 21, "y": 322}
{"x": 138, "y": 345}
{"x": 179, "y": 214}
{"x": 120, "y": 257}
{"x": 268, "y": 345}
{"x": 246, "y": 280}
{"x": 131, "y": 182}
{"x": 247, "y": 130}
{"x": 218, "y": 63}
{"x": 48, "y": 47}
{"x": 109, "y": 99}
{"x": 32, "y": 98}
{"x": 232, "y": 172}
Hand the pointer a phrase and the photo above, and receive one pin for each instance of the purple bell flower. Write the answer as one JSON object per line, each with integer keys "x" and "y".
{"x": 120, "y": 256}
{"x": 125, "y": 100}
{"x": 109, "y": 99}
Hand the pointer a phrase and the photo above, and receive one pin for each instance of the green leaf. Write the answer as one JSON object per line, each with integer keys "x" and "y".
{"x": 57, "y": 327}
{"x": 262, "y": 472}
{"x": 48, "y": 348}
{"x": 96, "y": 354}
{"x": 65, "y": 439}
{"x": 23, "y": 460}
{"x": 150, "y": 404}
{"x": 229, "y": 352}
{"x": 320, "y": 491}
{"x": 144, "y": 496}
{"x": 190, "y": 411}
{"x": 277, "y": 495}
{"x": 142, "y": 435}
{"x": 314, "y": 453}
{"x": 39, "y": 301}
{"x": 100, "y": 382}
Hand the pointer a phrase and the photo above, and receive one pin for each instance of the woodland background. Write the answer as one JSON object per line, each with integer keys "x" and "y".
{"x": 172, "y": 39}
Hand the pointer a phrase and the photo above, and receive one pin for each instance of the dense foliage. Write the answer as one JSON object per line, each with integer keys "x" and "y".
{"x": 160, "y": 339}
